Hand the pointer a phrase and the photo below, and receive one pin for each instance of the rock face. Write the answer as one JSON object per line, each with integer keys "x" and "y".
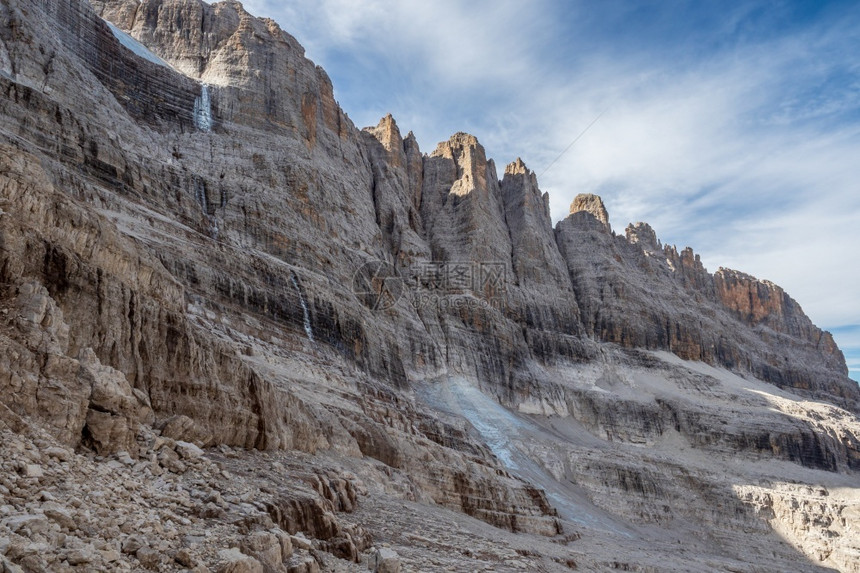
{"x": 535, "y": 257}
{"x": 397, "y": 190}
{"x": 728, "y": 318}
{"x": 182, "y": 243}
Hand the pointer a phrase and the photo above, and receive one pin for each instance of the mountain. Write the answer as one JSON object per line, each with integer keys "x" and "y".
{"x": 240, "y": 334}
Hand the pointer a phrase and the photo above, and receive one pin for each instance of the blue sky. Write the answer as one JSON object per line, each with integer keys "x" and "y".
{"x": 731, "y": 127}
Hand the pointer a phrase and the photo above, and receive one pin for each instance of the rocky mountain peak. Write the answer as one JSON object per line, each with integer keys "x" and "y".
{"x": 387, "y": 133}
{"x": 536, "y": 258}
{"x": 206, "y": 30}
{"x": 517, "y": 168}
{"x": 643, "y": 235}
{"x": 735, "y": 275}
{"x": 520, "y": 187}
{"x": 473, "y": 170}
{"x": 458, "y": 143}
{"x": 591, "y": 204}
{"x": 256, "y": 73}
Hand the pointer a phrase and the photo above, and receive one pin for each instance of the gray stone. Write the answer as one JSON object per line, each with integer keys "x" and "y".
{"x": 234, "y": 561}
{"x": 7, "y": 566}
{"x": 26, "y": 524}
{"x": 33, "y": 471}
{"x": 62, "y": 517}
{"x": 387, "y": 561}
{"x": 265, "y": 547}
{"x": 132, "y": 543}
{"x": 185, "y": 558}
{"x": 149, "y": 558}
{"x": 302, "y": 564}
{"x": 81, "y": 556}
{"x": 188, "y": 451}
{"x": 299, "y": 541}
{"x": 60, "y": 454}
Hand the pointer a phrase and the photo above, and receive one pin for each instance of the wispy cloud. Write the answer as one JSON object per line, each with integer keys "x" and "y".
{"x": 733, "y": 130}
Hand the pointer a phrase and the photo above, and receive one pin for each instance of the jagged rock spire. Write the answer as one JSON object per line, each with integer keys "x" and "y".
{"x": 643, "y": 235}
{"x": 388, "y": 134}
{"x": 592, "y": 204}
{"x": 517, "y": 168}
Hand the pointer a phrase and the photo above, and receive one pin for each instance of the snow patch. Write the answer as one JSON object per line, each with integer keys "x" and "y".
{"x": 514, "y": 441}
{"x": 136, "y": 47}
{"x": 492, "y": 421}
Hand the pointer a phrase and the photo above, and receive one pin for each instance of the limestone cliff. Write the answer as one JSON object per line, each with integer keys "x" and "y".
{"x": 727, "y": 318}
{"x": 197, "y": 246}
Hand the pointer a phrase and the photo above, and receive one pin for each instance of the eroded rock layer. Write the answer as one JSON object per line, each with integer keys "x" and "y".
{"x": 198, "y": 249}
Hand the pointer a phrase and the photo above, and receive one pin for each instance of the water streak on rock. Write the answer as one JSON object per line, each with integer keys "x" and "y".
{"x": 203, "y": 110}
{"x": 307, "y": 318}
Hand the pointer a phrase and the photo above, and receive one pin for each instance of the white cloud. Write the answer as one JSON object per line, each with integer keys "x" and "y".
{"x": 461, "y": 42}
